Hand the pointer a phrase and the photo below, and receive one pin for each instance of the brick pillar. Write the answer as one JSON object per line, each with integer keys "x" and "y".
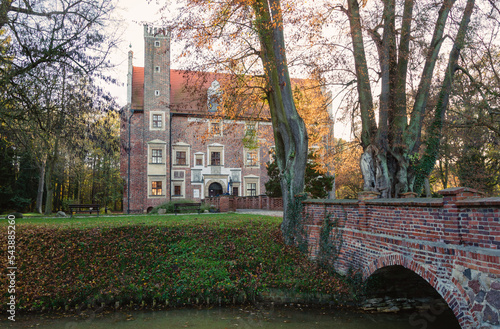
{"x": 232, "y": 203}
{"x": 363, "y": 214}
{"x": 408, "y": 195}
{"x": 224, "y": 203}
{"x": 452, "y": 230}
{"x": 459, "y": 193}
{"x": 368, "y": 195}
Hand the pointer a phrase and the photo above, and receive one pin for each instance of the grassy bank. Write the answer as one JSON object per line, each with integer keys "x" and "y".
{"x": 157, "y": 260}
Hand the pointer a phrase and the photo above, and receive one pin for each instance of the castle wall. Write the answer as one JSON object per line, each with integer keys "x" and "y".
{"x": 171, "y": 153}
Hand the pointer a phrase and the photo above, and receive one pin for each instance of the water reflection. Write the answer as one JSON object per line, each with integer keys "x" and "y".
{"x": 248, "y": 317}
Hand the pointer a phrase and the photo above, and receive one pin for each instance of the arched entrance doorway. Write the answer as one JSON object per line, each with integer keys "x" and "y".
{"x": 215, "y": 189}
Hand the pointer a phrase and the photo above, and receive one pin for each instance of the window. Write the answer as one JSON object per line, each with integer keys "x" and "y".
{"x": 157, "y": 43}
{"x": 251, "y": 186}
{"x": 156, "y": 156}
{"x": 157, "y": 69}
{"x": 177, "y": 190}
{"x": 215, "y": 159}
{"x": 178, "y": 174}
{"x": 250, "y": 129}
{"x": 157, "y": 93}
{"x": 156, "y": 188}
{"x": 180, "y": 158}
{"x": 181, "y": 154}
{"x": 215, "y": 128}
{"x": 199, "y": 159}
{"x": 157, "y": 120}
{"x": 214, "y": 96}
{"x": 252, "y": 159}
{"x": 251, "y": 189}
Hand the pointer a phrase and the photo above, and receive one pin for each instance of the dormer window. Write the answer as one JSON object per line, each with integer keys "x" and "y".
{"x": 214, "y": 96}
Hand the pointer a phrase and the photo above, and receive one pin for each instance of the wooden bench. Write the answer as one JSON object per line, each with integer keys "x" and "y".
{"x": 179, "y": 206}
{"x": 84, "y": 208}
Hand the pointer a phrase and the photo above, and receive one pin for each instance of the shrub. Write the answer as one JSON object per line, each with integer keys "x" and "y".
{"x": 169, "y": 206}
{"x": 20, "y": 203}
{"x": 17, "y": 215}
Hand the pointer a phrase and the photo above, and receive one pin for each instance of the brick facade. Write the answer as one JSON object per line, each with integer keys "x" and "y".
{"x": 178, "y": 149}
{"x": 453, "y": 243}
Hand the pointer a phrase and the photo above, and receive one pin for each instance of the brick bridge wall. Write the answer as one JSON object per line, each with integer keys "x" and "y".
{"x": 453, "y": 243}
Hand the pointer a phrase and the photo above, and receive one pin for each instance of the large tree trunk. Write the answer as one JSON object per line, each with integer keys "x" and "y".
{"x": 49, "y": 184}
{"x": 290, "y": 133}
{"x": 392, "y": 145}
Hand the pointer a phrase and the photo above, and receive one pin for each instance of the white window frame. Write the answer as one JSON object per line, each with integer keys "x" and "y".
{"x": 215, "y": 148}
{"x": 181, "y": 147}
{"x": 212, "y": 124}
{"x": 151, "y": 121}
{"x": 163, "y": 181}
{"x": 182, "y": 185}
{"x": 246, "y": 152}
{"x": 157, "y": 154}
{"x": 199, "y": 155}
{"x": 252, "y": 179}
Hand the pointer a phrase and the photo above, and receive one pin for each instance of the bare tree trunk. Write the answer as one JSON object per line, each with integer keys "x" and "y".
{"x": 41, "y": 183}
{"x": 435, "y": 129}
{"x": 49, "y": 185}
{"x": 49, "y": 188}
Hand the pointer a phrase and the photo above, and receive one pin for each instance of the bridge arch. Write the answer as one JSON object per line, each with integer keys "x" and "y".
{"x": 453, "y": 294}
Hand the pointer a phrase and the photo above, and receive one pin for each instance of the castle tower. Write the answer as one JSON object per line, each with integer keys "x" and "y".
{"x": 157, "y": 114}
{"x": 147, "y": 122}
{"x": 156, "y": 69}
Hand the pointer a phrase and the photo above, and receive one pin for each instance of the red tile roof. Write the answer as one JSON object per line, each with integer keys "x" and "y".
{"x": 188, "y": 93}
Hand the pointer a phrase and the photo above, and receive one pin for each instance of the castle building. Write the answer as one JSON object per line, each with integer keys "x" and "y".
{"x": 174, "y": 146}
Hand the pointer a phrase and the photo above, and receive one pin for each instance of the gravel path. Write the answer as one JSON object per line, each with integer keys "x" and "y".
{"x": 275, "y": 213}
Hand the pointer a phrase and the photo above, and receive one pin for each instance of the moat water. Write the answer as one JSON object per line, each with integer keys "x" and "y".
{"x": 240, "y": 317}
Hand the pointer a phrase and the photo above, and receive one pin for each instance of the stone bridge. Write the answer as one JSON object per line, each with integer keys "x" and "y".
{"x": 452, "y": 242}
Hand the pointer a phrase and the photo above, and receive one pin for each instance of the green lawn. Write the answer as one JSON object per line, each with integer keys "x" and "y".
{"x": 222, "y": 220}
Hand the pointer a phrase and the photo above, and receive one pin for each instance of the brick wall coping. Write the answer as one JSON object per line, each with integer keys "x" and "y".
{"x": 414, "y": 202}
{"x": 350, "y": 202}
{"x": 467, "y": 197}
{"x": 457, "y": 190}
{"x": 479, "y": 202}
